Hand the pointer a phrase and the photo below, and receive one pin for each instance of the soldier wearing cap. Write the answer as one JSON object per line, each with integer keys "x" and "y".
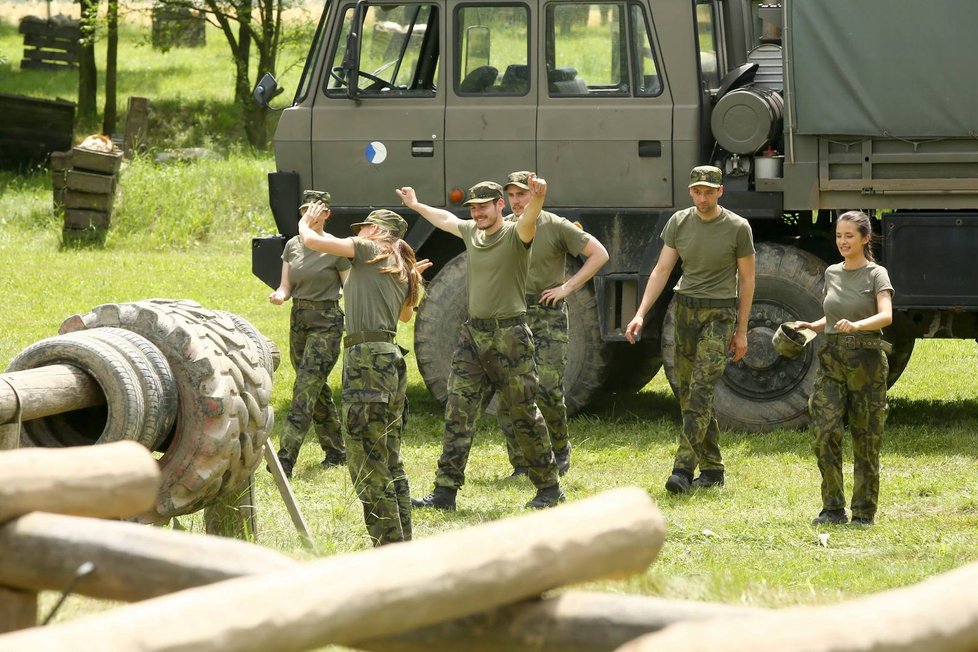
{"x": 313, "y": 281}
{"x": 384, "y": 287}
{"x": 713, "y": 300}
{"x": 546, "y": 314}
{"x": 495, "y": 347}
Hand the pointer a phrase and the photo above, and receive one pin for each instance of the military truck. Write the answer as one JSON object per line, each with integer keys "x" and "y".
{"x": 811, "y": 108}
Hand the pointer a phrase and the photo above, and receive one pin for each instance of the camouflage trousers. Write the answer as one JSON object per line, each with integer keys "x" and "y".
{"x": 549, "y": 328}
{"x": 702, "y": 338}
{"x": 314, "y": 347}
{"x": 374, "y": 385}
{"x": 499, "y": 360}
{"x": 850, "y": 383}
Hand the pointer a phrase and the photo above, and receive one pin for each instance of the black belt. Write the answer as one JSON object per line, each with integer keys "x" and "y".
{"x": 306, "y": 304}
{"x": 493, "y": 324}
{"x": 534, "y": 300}
{"x": 693, "y": 302}
{"x": 367, "y": 336}
{"x": 850, "y": 341}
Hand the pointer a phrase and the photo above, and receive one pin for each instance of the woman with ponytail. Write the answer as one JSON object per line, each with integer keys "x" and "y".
{"x": 852, "y": 372}
{"x": 384, "y": 286}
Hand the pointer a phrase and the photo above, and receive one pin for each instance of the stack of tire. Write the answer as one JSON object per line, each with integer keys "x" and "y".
{"x": 190, "y": 383}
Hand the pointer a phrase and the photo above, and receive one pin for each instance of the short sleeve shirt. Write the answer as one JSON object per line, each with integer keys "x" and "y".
{"x": 373, "y": 298}
{"x": 313, "y": 275}
{"x": 851, "y": 294}
{"x": 497, "y": 269}
{"x": 555, "y": 238}
{"x": 709, "y": 251}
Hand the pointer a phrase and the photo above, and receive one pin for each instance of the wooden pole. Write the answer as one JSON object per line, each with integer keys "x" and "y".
{"x": 575, "y": 621}
{"x": 285, "y": 491}
{"x": 47, "y": 390}
{"x": 938, "y": 615}
{"x": 40, "y": 552}
{"x": 113, "y": 480}
{"x": 18, "y": 609}
{"x": 383, "y": 591}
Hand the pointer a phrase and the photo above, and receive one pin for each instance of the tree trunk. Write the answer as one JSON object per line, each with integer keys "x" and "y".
{"x": 110, "y": 113}
{"x": 87, "y": 71}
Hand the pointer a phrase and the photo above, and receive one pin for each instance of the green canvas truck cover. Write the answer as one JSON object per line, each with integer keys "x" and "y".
{"x": 891, "y": 68}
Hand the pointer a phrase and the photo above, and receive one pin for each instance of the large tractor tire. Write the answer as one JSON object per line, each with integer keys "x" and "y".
{"x": 223, "y": 388}
{"x": 632, "y": 366}
{"x": 765, "y": 391}
{"x": 445, "y": 309}
{"x": 899, "y": 358}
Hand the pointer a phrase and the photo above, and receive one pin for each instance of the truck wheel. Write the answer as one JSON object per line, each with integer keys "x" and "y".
{"x": 445, "y": 308}
{"x": 632, "y": 366}
{"x": 765, "y": 391}
{"x": 899, "y": 358}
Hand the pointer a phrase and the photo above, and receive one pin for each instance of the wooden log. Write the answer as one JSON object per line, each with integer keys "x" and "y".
{"x": 113, "y": 480}
{"x": 288, "y": 497}
{"x": 575, "y": 621}
{"x": 18, "y": 609}
{"x": 47, "y": 390}
{"x": 137, "y": 120}
{"x": 939, "y": 614}
{"x": 383, "y": 591}
{"x": 132, "y": 562}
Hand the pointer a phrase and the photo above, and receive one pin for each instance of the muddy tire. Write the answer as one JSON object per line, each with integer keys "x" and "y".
{"x": 223, "y": 389}
{"x": 899, "y": 358}
{"x": 120, "y": 418}
{"x": 632, "y": 366}
{"x": 445, "y": 309}
{"x": 155, "y": 379}
{"x": 765, "y": 391}
{"x": 265, "y": 347}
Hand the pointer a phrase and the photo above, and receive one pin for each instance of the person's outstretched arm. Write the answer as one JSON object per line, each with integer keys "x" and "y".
{"x": 438, "y": 217}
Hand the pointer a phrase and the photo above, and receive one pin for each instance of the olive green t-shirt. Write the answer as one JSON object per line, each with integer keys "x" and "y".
{"x": 851, "y": 294}
{"x": 313, "y": 275}
{"x": 709, "y": 251}
{"x": 373, "y": 298}
{"x": 555, "y": 238}
{"x": 497, "y": 268}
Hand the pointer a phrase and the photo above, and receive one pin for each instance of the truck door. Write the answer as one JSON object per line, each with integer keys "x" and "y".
{"x": 490, "y": 120}
{"x": 605, "y": 112}
{"x": 390, "y": 132}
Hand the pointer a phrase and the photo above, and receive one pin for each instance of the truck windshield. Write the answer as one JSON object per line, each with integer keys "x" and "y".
{"x": 398, "y": 51}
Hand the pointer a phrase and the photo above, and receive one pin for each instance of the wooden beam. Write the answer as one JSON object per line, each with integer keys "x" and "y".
{"x": 18, "y": 609}
{"x": 384, "y": 591}
{"x": 133, "y": 562}
{"x": 112, "y": 480}
{"x": 575, "y": 621}
{"x": 939, "y": 614}
{"x": 47, "y": 390}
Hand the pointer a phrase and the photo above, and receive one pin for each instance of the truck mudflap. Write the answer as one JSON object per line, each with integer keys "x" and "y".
{"x": 284, "y": 195}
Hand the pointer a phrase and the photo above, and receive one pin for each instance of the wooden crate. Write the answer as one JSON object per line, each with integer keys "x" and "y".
{"x": 31, "y": 128}
{"x": 76, "y": 218}
{"x": 88, "y": 200}
{"x": 86, "y": 236}
{"x": 101, "y": 184}
{"x": 50, "y": 44}
{"x": 102, "y": 162}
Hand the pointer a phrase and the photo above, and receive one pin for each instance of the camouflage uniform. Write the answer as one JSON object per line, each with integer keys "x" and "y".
{"x": 314, "y": 347}
{"x": 374, "y": 385}
{"x": 851, "y": 382}
{"x": 494, "y": 356}
{"x": 549, "y": 328}
{"x": 703, "y": 336}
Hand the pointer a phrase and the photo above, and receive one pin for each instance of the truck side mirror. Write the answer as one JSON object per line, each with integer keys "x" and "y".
{"x": 266, "y": 89}
{"x": 351, "y": 60}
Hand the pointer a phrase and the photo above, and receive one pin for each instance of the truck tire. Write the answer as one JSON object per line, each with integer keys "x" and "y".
{"x": 632, "y": 366}
{"x": 899, "y": 358}
{"x": 223, "y": 388}
{"x": 765, "y": 391}
{"x": 445, "y": 309}
{"x": 121, "y": 417}
{"x": 265, "y": 347}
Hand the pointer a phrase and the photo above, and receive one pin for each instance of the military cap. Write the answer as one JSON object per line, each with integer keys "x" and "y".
{"x": 385, "y": 219}
{"x": 789, "y": 340}
{"x": 483, "y": 192}
{"x": 706, "y": 175}
{"x": 312, "y": 196}
{"x": 519, "y": 179}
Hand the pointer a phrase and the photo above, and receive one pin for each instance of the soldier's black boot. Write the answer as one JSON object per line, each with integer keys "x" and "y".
{"x": 547, "y": 497}
{"x": 679, "y": 482}
{"x": 518, "y": 472}
{"x": 709, "y": 478}
{"x": 287, "y": 464}
{"x": 333, "y": 459}
{"x": 562, "y": 457}
{"x": 831, "y": 517}
{"x": 440, "y": 498}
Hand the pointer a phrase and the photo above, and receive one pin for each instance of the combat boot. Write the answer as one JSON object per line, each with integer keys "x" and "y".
{"x": 440, "y": 498}
{"x": 518, "y": 472}
{"x": 332, "y": 460}
{"x": 287, "y": 464}
{"x": 831, "y": 517}
{"x": 709, "y": 478}
{"x": 865, "y": 521}
{"x": 562, "y": 457}
{"x": 547, "y": 497}
{"x": 679, "y": 481}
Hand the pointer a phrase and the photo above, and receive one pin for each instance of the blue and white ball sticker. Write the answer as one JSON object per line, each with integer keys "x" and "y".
{"x": 376, "y": 152}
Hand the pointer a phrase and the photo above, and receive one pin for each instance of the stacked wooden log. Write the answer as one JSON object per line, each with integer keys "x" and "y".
{"x": 31, "y": 128}
{"x": 50, "y": 44}
{"x": 87, "y": 179}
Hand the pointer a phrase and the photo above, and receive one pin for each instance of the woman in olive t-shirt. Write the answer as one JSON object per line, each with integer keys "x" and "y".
{"x": 852, "y": 372}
